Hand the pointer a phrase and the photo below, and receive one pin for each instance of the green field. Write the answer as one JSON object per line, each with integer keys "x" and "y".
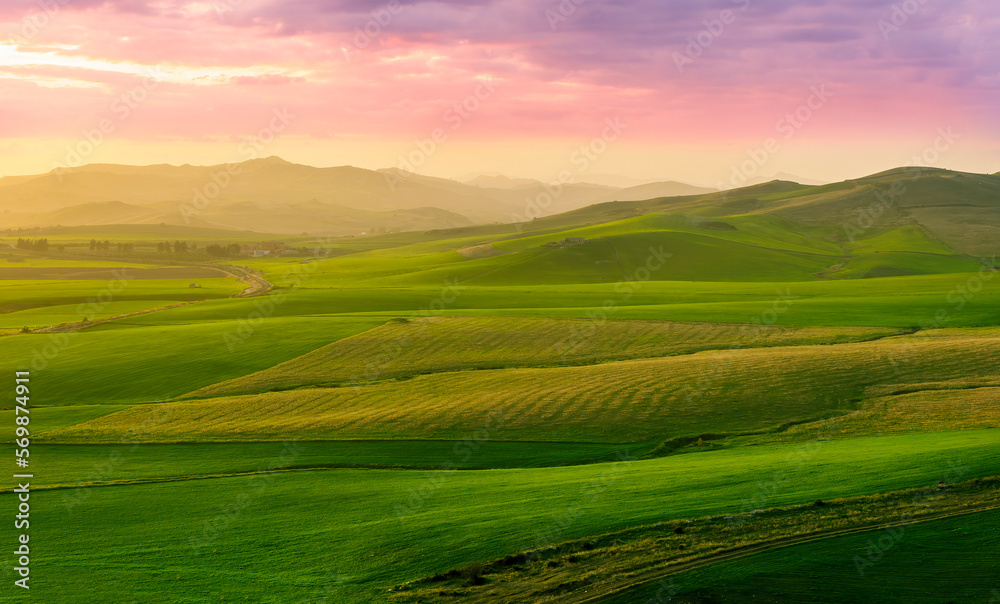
{"x": 406, "y": 348}
{"x": 740, "y": 390}
{"x": 157, "y": 363}
{"x": 918, "y": 566}
{"x": 370, "y": 527}
{"x": 428, "y": 401}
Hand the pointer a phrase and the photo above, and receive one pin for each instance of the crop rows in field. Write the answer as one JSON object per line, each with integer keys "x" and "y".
{"x": 421, "y": 346}
{"x": 956, "y": 406}
{"x": 629, "y": 401}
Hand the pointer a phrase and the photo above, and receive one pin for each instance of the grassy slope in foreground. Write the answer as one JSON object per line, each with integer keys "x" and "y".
{"x": 306, "y": 525}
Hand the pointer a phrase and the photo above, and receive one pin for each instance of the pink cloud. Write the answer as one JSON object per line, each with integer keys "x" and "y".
{"x": 557, "y": 76}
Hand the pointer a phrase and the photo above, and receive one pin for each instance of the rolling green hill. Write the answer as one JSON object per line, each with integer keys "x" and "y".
{"x": 729, "y": 391}
{"x": 353, "y": 534}
{"x": 420, "y": 346}
{"x": 612, "y": 371}
{"x": 933, "y": 562}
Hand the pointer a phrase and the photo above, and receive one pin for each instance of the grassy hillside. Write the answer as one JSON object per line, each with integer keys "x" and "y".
{"x": 360, "y": 532}
{"x": 156, "y": 363}
{"x": 628, "y": 401}
{"x": 96, "y": 295}
{"x": 649, "y": 246}
{"x": 404, "y": 349}
{"x": 759, "y": 348}
{"x": 939, "y": 561}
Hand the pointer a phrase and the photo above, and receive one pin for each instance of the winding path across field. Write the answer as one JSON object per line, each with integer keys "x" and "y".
{"x": 602, "y": 592}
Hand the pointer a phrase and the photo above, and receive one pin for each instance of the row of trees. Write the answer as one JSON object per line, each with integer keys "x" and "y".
{"x": 177, "y": 247}
{"x": 233, "y": 249}
{"x": 37, "y": 245}
{"x": 105, "y": 246}
{"x": 168, "y": 247}
{"x": 163, "y": 247}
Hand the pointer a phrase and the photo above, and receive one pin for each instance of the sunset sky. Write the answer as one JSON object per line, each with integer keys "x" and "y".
{"x": 512, "y": 86}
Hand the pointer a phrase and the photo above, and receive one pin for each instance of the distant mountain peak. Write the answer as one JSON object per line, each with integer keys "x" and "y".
{"x": 271, "y": 160}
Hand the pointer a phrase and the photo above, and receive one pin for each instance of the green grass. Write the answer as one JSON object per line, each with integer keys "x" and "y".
{"x": 895, "y": 264}
{"x": 18, "y": 259}
{"x": 278, "y": 540}
{"x": 629, "y": 401}
{"x": 755, "y": 247}
{"x": 22, "y": 295}
{"x": 420, "y": 346}
{"x": 74, "y": 313}
{"x": 53, "y": 418}
{"x": 75, "y": 465}
{"x": 961, "y": 404}
{"x": 910, "y": 301}
{"x": 576, "y": 346}
{"x": 900, "y": 239}
{"x": 950, "y": 560}
{"x": 156, "y": 363}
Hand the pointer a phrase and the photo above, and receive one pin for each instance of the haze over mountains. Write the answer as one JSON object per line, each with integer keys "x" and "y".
{"x": 271, "y": 195}
{"x": 275, "y": 196}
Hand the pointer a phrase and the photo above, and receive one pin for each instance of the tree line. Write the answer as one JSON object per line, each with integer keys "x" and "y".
{"x": 37, "y": 245}
{"x": 105, "y": 246}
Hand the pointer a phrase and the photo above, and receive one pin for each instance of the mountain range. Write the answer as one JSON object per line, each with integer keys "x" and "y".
{"x": 275, "y": 196}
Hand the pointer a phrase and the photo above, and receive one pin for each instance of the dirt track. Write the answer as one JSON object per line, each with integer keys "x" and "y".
{"x": 612, "y": 589}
